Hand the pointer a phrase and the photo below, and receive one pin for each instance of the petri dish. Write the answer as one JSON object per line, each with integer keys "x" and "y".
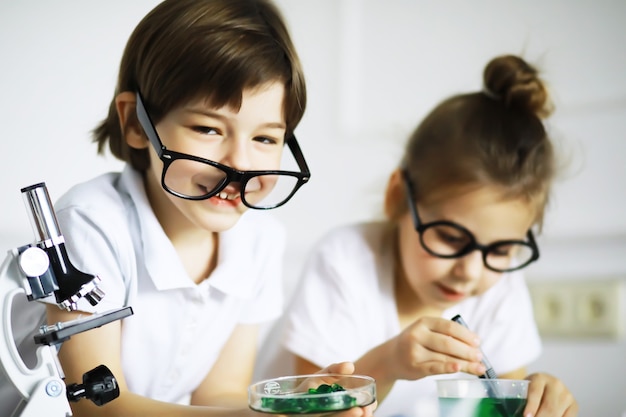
{"x": 311, "y": 394}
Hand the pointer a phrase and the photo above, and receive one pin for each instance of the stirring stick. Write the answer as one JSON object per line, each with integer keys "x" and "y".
{"x": 492, "y": 390}
{"x": 489, "y": 373}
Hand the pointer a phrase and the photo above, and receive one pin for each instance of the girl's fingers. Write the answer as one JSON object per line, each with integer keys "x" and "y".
{"x": 433, "y": 346}
{"x": 428, "y": 363}
{"x": 556, "y": 400}
{"x": 446, "y": 337}
{"x": 455, "y": 330}
{"x": 535, "y": 392}
{"x": 439, "y": 367}
{"x": 446, "y": 365}
{"x": 548, "y": 397}
{"x": 452, "y": 347}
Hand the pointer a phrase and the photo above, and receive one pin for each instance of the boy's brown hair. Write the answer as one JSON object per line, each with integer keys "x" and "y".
{"x": 184, "y": 50}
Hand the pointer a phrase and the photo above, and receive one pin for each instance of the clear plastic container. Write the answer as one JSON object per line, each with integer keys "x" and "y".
{"x": 478, "y": 397}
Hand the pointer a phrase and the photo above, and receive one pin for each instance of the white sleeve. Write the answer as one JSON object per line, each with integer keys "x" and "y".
{"x": 320, "y": 322}
{"x": 100, "y": 244}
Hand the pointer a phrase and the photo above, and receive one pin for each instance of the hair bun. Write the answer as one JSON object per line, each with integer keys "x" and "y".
{"x": 513, "y": 80}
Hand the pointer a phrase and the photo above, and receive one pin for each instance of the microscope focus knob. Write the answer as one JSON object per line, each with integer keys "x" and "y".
{"x": 99, "y": 385}
{"x": 34, "y": 262}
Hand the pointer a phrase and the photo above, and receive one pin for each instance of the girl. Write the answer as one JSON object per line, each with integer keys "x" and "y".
{"x": 461, "y": 209}
{"x": 208, "y": 95}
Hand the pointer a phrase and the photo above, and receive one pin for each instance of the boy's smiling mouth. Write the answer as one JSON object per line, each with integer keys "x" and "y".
{"x": 226, "y": 196}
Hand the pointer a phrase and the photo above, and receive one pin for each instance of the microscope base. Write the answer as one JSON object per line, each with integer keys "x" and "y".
{"x": 49, "y": 395}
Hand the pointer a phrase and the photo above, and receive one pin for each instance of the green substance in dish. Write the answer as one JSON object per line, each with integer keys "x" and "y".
{"x": 301, "y": 404}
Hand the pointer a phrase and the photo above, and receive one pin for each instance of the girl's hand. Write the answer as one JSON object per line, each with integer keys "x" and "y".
{"x": 549, "y": 397}
{"x": 433, "y": 346}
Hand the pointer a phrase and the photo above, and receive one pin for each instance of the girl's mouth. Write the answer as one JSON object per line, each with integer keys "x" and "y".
{"x": 450, "y": 294}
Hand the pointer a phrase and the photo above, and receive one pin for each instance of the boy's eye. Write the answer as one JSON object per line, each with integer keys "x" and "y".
{"x": 266, "y": 140}
{"x": 206, "y": 130}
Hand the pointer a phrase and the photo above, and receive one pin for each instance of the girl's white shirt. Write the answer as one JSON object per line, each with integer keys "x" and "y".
{"x": 344, "y": 305}
{"x": 178, "y": 327}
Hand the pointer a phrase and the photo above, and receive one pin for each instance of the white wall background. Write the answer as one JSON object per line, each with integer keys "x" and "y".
{"x": 374, "y": 68}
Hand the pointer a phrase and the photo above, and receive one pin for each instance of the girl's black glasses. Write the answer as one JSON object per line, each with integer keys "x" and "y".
{"x": 446, "y": 239}
{"x": 194, "y": 178}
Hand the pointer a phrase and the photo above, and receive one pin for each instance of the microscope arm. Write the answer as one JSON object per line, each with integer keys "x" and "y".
{"x": 24, "y": 379}
{"x": 40, "y": 387}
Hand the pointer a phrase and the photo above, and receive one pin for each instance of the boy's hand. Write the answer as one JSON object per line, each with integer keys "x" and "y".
{"x": 347, "y": 368}
{"x": 549, "y": 397}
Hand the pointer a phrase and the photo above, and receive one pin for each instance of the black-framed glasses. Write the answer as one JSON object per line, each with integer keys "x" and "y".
{"x": 446, "y": 239}
{"x": 194, "y": 178}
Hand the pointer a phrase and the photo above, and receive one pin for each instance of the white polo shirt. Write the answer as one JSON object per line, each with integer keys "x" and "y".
{"x": 178, "y": 327}
{"x": 345, "y": 305}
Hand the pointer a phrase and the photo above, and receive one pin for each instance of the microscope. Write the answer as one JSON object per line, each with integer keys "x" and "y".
{"x": 40, "y": 270}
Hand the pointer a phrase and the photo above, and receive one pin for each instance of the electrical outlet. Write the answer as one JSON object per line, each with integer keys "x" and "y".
{"x": 552, "y": 308}
{"x": 579, "y": 309}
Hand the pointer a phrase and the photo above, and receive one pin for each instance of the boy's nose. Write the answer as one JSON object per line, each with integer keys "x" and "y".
{"x": 237, "y": 155}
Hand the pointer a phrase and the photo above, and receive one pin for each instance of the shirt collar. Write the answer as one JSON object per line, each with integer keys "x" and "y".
{"x": 232, "y": 274}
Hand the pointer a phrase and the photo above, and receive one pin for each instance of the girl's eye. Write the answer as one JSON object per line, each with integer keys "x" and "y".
{"x": 452, "y": 238}
{"x": 502, "y": 250}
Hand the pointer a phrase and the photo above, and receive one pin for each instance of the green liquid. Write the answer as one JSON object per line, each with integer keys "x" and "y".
{"x": 293, "y": 404}
{"x": 482, "y": 407}
{"x": 301, "y": 404}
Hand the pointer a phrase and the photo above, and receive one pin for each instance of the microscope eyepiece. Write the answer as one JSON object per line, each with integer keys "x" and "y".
{"x": 68, "y": 283}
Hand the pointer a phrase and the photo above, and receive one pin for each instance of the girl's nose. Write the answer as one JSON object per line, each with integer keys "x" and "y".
{"x": 470, "y": 267}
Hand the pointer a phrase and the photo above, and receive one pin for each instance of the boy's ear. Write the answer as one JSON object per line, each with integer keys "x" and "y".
{"x": 125, "y": 103}
{"x": 394, "y": 195}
